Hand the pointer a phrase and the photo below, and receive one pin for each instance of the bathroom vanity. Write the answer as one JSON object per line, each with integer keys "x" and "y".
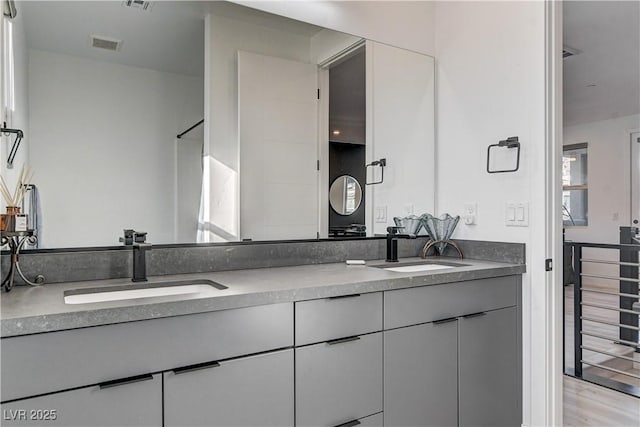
{"x": 310, "y": 345}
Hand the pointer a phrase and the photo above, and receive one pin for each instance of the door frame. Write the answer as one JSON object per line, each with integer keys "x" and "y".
{"x": 633, "y": 159}
{"x": 553, "y": 325}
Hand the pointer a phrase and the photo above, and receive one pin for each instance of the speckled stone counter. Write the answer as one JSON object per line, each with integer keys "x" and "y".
{"x": 30, "y": 310}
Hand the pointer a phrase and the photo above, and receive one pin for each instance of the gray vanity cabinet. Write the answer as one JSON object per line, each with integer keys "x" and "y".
{"x": 489, "y": 369}
{"x": 247, "y": 391}
{"x": 420, "y": 375}
{"x": 128, "y": 403}
{"x": 339, "y": 382}
{"x": 452, "y": 354}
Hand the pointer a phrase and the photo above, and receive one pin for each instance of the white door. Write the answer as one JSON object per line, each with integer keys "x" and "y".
{"x": 278, "y": 133}
{"x": 400, "y": 94}
{"x": 635, "y": 179}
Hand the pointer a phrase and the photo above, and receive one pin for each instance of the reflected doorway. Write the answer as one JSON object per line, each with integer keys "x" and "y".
{"x": 347, "y": 144}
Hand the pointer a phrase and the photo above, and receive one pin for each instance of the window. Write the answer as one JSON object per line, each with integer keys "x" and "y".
{"x": 575, "y": 194}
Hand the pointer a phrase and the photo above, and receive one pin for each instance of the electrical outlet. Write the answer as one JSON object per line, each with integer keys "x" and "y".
{"x": 470, "y": 213}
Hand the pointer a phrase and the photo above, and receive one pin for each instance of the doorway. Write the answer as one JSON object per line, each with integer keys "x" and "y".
{"x": 601, "y": 196}
{"x": 347, "y": 145}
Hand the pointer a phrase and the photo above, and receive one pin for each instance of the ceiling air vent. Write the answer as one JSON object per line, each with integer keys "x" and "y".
{"x": 138, "y": 4}
{"x": 569, "y": 51}
{"x": 105, "y": 43}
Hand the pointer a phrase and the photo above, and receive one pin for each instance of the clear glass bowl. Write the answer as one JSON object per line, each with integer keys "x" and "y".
{"x": 411, "y": 224}
{"x": 440, "y": 229}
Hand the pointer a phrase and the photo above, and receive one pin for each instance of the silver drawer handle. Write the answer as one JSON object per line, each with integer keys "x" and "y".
{"x": 468, "y": 316}
{"x": 344, "y": 296}
{"x": 447, "y": 320}
{"x": 349, "y": 424}
{"x": 124, "y": 381}
{"x": 343, "y": 340}
{"x": 197, "y": 367}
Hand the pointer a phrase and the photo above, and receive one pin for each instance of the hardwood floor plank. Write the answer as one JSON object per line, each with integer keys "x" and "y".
{"x": 589, "y": 405}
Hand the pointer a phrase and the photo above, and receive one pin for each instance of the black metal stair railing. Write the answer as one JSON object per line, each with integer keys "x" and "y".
{"x": 626, "y": 380}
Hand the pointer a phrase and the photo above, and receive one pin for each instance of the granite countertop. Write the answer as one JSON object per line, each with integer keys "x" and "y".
{"x": 29, "y": 310}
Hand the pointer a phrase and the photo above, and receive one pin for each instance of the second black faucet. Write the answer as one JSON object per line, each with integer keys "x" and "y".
{"x": 392, "y": 242}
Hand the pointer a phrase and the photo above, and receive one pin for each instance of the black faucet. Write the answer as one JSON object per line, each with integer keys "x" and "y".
{"x": 392, "y": 242}
{"x": 140, "y": 261}
{"x": 140, "y": 249}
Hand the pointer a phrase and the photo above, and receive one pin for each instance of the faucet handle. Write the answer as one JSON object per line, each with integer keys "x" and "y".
{"x": 140, "y": 236}
{"x": 394, "y": 229}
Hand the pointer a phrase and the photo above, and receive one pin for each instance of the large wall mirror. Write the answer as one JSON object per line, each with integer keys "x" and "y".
{"x": 270, "y": 114}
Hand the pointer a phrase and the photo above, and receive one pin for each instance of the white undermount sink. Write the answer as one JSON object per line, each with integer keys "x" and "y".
{"x": 194, "y": 288}
{"x": 417, "y": 268}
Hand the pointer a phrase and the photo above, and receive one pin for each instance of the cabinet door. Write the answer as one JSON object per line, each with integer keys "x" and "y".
{"x": 338, "y": 382}
{"x": 129, "y": 403}
{"x": 421, "y": 375}
{"x": 249, "y": 391}
{"x": 489, "y": 369}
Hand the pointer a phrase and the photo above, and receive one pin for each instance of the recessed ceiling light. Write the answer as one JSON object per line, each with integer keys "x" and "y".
{"x": 591, "y": 85}
{"x": 336, "y": 132}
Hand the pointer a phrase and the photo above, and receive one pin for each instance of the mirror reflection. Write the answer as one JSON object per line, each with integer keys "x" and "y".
{"x": 278, "y": 111}
{"x": 345, "y": 195}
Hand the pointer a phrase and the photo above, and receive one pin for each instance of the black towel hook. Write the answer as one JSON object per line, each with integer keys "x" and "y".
{"x": 16, "y": 142}
{"x": 511, "y": 142}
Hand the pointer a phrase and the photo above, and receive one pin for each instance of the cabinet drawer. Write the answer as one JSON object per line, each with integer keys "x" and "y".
{"x": 249, "y": 391}
{"x": 93, "y": 355}
{"x": 406, "y": 307}
{"x": 325, "y": 319}
{"x": 338, "y": 383}
{"x": 127, "y": 404}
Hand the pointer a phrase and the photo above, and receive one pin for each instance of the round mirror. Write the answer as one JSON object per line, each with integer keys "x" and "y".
{"x": 345, "y": 195}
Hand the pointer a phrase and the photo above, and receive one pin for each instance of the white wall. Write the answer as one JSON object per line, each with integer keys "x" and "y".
{"x": 188, "y": 184}
{"x": 609, "y": 183}
{"x": 18, "y": 119}
{"x": 490, "y": 68}
{"x": 406, "y": 24}
{"x": 609, "y": 179}
{"x": 103, "y": 147}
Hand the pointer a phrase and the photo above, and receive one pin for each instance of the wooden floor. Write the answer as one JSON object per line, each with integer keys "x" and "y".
{"x": 586, "y": 404}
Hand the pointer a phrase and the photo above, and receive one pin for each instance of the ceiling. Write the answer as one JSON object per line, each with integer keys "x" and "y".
{"x": 168, "y": 38}
{"x": 264, "y": 19}
{"x": 606, "y": 35}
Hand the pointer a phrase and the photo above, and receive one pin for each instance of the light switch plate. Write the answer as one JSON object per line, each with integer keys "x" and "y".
{"x": 517, "y": 214}
{"x": 381, "y": 214}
